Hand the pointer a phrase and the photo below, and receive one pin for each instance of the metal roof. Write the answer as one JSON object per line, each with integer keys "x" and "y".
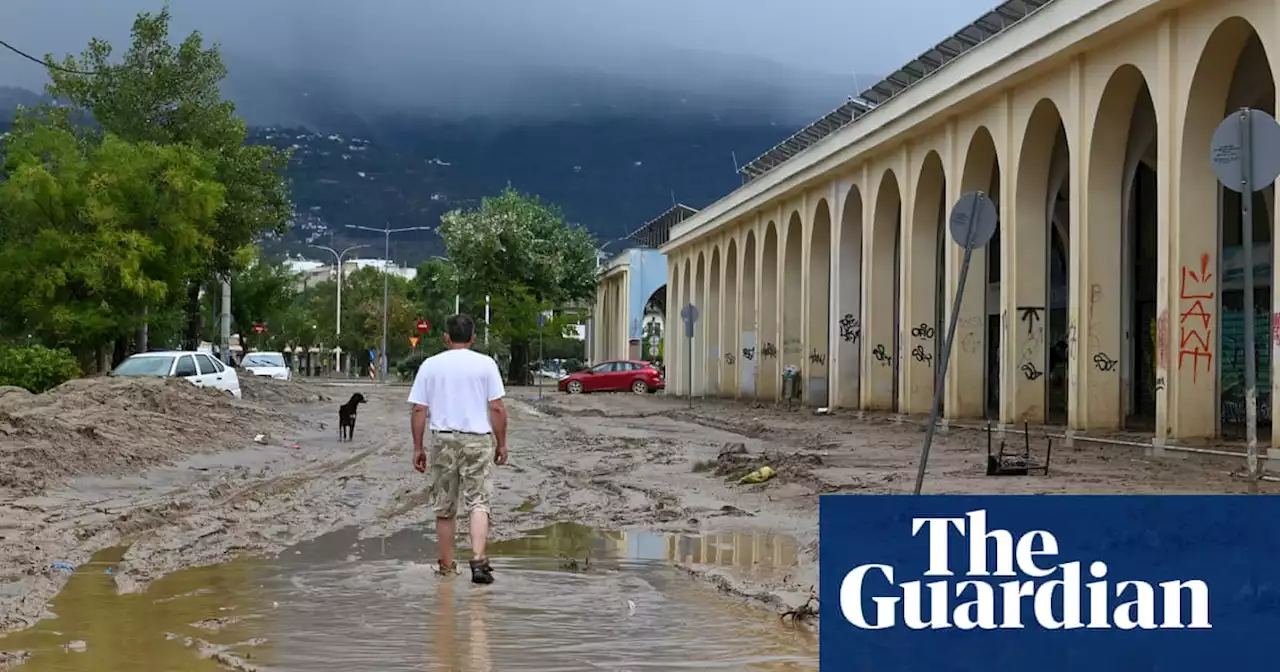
{"x": 986, "y": 27}
{"x": 657, "y": 231}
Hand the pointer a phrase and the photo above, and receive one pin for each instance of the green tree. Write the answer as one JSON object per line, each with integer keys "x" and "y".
{"x": 521, "y": 252}
{"x": 436, "y": 287}
{"x": 94, "y": 232}
{"x": 166, "y": 94}
{"x": 263, "y": 292}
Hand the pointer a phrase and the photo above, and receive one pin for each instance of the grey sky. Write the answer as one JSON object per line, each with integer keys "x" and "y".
{"x": 433, "y": 51}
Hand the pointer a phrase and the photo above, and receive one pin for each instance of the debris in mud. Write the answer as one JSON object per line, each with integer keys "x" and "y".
{"x": 77, "y": 646}
{"x": 12, "y": 659}
{"x": 803, "y": 613}
{"x": 111, "y": 426}
{"x": 571, "y": 564}
{"x": 759, "y": 475}
{"x": 735, "y": 463}
{"x": 268, "y": 390}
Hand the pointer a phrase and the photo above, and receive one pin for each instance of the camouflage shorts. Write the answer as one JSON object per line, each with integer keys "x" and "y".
{"x": 461, "y": 465}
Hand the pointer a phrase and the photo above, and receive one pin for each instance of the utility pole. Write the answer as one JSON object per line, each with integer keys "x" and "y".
{"x": 338, "y": 268}
{"x": 226, "y": 320}
{"x": 386, "y": 271}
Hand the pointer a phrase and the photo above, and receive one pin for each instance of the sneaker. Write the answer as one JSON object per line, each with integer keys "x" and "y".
{"x": 446, "y": 570}
{"x": 481, "y": 572}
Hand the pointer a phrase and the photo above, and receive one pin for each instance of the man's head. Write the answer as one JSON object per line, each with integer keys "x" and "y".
{"x": 460, "y": 331}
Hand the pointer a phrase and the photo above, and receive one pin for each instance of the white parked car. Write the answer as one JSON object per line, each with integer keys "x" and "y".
{"x": 267, "y": 364}
{"x": 200, "y": 368}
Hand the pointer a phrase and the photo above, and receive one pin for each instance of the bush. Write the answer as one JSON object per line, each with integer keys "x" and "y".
{"x": 37, "y": 368}
{"x": 407, "y": 368}
{"x": 573, "y": 366}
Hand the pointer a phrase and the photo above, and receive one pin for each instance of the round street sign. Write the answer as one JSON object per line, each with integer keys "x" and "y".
{"x": 424, "y": 326}
{"x": 259, "y": 328}
{"x": 1227, "y": 151}
{"x": 973, "y": 220}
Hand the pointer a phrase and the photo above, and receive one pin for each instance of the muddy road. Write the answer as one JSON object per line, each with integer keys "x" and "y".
{"x": 646, "y": 477}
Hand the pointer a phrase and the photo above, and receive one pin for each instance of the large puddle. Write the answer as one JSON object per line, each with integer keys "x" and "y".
{"x": 341, "y": 603}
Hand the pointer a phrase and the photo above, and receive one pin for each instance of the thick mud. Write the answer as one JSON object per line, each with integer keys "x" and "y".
{"x": 621, "y": 462}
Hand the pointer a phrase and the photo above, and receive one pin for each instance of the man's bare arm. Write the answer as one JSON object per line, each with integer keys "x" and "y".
{"x": 418, "y": 424}
{"x": 498, "y": 417}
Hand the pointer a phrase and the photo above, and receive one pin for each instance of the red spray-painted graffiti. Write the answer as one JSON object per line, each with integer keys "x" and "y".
{"x": 1275, "y": 329}
{"x": 1195, "y": 333}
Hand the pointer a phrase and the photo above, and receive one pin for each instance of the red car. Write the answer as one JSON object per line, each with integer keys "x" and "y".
{"x": 624, "y": 374}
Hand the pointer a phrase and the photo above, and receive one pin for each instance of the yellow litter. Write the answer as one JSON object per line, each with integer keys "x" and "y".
{"x": 759, "y": 475}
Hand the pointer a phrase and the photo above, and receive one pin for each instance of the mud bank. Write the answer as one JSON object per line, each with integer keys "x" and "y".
{"x": 691, "y": 459}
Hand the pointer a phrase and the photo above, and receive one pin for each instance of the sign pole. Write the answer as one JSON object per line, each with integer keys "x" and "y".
{"x": 689, "y": 314}
{"x": 542, "y": 320}
{"x": 1250, "y": 357}
{"x": 1245, "y": 155}
{"x": 974, "y": 219}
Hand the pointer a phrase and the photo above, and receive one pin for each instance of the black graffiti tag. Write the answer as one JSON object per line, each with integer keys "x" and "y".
{"x": 1031, "y": 372}
{"x": 729, "y": 359}
{"x": 923, "y": 331}
{"x": 1104, "y": 363}
{"x": 850, "y": 329}
{"x": 769, "y": 351}
{"x": 816, "y": 357}
{"x": 921, "y": 356}
{"x": 748, "y": 354}
{"x": 1030, "y": 315}
{"x": 880, "y": 355}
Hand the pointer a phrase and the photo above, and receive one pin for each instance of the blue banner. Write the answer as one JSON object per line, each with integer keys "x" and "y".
{"x": 1058, "y": 582}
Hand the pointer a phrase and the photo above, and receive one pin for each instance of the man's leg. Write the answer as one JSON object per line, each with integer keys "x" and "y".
{"x": 443, "y": 459}
{"x": 446, "y": 529}
{"x": 479, "y": 533}
{"x": 476, "y": 489}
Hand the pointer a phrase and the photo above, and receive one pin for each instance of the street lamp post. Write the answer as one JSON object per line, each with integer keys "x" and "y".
{"x": 337, "y": 256}
{"x": 386, "y": 261}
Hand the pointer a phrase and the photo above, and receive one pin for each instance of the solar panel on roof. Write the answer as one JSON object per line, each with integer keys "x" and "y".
{"x": 984, "y": 28}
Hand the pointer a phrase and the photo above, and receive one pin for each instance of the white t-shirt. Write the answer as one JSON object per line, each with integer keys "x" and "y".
{"x": 457, "y": 386}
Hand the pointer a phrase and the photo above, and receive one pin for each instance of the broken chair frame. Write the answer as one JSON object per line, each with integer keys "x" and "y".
{"x": 998, "y": 466}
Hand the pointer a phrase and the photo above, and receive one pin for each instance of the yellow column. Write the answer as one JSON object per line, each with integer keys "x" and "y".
{"x": 878, "y": 327}
{"x": 964, "y": 396}
{"x": 1024, "y": 256}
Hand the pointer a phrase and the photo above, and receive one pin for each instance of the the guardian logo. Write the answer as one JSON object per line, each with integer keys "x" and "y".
{"x": 1053, "y": 595}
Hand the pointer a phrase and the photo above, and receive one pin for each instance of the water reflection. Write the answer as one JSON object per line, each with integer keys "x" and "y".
{"x": 753, "y": 555}
{"x": 341, "y": 603}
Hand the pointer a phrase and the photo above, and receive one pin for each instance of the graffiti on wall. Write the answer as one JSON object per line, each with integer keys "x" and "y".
{"x": 748, "y": 354}
{"x": 1030, "y": 315}
{"x": 769, "y": 351}
{"x": 923, "y": 331}
{"x": 729, "y": 359}
{"x": 880, "y": 355}
{"x": 1104, "y": 363}
{"x": 850, "y": 328}
{"x": 1194, "y": 320}
{"x": 921, "y": 356}
{"x": 816, "y": 357}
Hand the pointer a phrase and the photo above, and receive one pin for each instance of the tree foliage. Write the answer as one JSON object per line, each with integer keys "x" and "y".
{"x": 169, "y": 95}
{"x": 93, "y": 231}
{"x": 521, "y": 253}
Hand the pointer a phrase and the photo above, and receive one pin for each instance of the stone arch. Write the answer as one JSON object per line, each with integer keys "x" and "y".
{"x": 847, "y": 363}
{"x": 699, "y": 354}
{"x": 731, "y": 325}
{"x": 1034, "y": 299}
{"x": 1202, "y": 331}
{"x": 1116, "y": 316}
{"x": 819, "y": 327}
{"x": 768, "y": 371}
{"x": 924, "y": 298}
{"x": 749, "y": 318}
{"x": 712, "y": 320}
{"x": 975, "y": 354}
{"x": 882, "y": 310}
{"x": 685, "y": 364}
{"x": 791, "y": 350}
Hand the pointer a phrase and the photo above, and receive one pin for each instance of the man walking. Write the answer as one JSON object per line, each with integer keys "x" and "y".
{"x": 461, "y": 391}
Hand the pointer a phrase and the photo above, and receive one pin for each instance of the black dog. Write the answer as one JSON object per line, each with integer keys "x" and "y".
{"x": 347, "y": 417}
